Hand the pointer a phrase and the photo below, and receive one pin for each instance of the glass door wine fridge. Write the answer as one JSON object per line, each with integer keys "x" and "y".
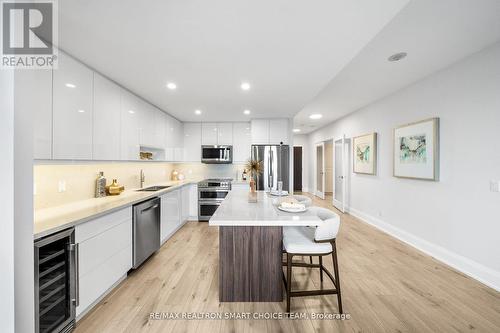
{"x": 56, "y": 282}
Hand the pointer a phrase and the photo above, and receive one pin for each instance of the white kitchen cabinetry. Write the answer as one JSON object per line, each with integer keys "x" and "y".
{"x": 185, "y": 203}
{"x": 193, "y": 202}
{"x": 217, "y": 133}
{"x": 169, "y": 138}
{"x": 170, "y": 214}
{"x": 147, "y": 116}
{"x": 104, "y": 255}
{"x": 106, "y": 129}
{"x": 72, "y": 110}
{"x": 270, "y": 131}
{"x": 209, "y": 133}
{"x": 33, "y": 93}
{"x": 242, "y": 142}
{"x": 178, "y": 140}
{"x": 130, "y": 126}
{"x": 260, "y": 131}
{"x": 278, "y": 131}
{"x": 225, "y": 133}
{"x": 192, "y": 142}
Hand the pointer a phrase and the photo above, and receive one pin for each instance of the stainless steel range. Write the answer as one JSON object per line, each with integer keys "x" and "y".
{"x": 211, "y": 192}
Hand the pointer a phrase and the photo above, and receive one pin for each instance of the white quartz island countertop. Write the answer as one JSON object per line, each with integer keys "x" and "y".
{"x": 235, "y": 210}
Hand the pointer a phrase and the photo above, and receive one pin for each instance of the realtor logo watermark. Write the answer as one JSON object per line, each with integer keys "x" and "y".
{"x": 29, "y": 33}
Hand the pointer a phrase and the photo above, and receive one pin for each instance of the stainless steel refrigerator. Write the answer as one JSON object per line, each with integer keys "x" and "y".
{"x": 276, "y": 160}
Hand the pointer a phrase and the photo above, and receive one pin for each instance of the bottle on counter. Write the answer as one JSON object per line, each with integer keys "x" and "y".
{"x": 100, "y": 186}
{"x": 244, "y": 175}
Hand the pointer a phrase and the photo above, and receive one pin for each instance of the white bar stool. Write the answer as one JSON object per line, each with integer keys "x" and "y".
{"x": 319, "y": 241}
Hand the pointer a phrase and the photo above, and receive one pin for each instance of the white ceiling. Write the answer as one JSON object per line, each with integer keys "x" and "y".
{"x": 434, "y": 33}
{"x": 288, "y": 50}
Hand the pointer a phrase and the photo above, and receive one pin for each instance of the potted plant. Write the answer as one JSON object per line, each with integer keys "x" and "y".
{"x": 254, "y": 168}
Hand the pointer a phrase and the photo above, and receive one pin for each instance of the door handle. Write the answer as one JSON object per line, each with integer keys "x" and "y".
{"x": 149, "y": 208}
{"x": 75, "y": 248}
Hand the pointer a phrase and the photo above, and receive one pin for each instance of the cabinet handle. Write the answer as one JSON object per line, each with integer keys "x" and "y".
{"x": 75, "y": 248}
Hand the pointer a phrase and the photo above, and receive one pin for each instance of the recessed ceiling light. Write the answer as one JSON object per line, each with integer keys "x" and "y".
{"x": 198, "y": 112}
{"x": 247, "y": 112}
{"x": 70, "y": 85}
{"x": 316, "y": 116}
{"x": 171, "y": 86}
{"x": 296, "y": 130}
{"x": 245, "y": 86}
{"x": 397, "y": 56}
{"x": 131, "y": 111}
{"x": 81, "y": 111}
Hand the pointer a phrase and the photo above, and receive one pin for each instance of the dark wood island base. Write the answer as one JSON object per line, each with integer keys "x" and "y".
{"x": 250, "y": 268}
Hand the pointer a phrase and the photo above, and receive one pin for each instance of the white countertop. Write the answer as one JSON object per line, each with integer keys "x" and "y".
{"x": 54, "y": 219}
{"x": 235, "y": 210}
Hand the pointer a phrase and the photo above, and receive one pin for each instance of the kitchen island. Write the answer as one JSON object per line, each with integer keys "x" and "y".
{"x": 250, "y": 246}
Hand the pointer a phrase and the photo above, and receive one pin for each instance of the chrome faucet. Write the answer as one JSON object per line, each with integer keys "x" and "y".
{"x": 143, "y": 178}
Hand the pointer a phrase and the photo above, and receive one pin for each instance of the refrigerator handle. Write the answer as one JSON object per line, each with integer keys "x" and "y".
{"x": 271, "y": 171}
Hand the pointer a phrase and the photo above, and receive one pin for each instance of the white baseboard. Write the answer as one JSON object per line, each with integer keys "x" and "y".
{"x": 477, "y": 271}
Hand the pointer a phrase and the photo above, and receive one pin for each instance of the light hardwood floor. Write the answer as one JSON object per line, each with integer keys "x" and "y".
{"x": 387, "y": 286}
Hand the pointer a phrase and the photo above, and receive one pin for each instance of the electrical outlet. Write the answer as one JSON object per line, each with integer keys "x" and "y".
{"x": 495, "y": 185}
{"x": 62, "y": 186}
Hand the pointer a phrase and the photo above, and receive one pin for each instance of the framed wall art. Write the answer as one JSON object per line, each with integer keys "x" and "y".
{"x": 416, "y": 150}
{"x": 365, "y": 154}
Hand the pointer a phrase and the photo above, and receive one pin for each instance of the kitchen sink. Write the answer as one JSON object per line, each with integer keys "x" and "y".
{"x": 153, "y": 188}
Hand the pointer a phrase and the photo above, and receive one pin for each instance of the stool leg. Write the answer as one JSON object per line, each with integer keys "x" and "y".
{"x": 321, "y": 268}
{"x": 310, "y": 259}
{"x": 337, "y": 278}
{"x": 289, "y": 280}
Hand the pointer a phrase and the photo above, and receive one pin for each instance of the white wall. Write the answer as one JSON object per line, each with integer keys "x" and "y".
{"x": 456, "y": 219}
{"x": 7, "y": 201}
{"x": 302, "y": 141}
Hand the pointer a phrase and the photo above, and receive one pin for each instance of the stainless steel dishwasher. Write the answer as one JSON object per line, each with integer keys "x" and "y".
{"x": 146, "y": 230}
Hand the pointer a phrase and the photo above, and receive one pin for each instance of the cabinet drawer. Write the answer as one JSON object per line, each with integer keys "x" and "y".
{"x": 94, "y": 251}
{"x": 94, "y": 284}
{"x": 97, "y": 226}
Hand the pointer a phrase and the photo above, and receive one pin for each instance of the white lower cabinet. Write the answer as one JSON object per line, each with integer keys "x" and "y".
{"x": 193, "y": 202}
{"x": 170, "y": 214}
{"x": 104, "y": 256}
{"x": 185, "y": 203}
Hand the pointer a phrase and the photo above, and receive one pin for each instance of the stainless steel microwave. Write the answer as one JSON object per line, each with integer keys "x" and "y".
{"x": 214, "y": 154}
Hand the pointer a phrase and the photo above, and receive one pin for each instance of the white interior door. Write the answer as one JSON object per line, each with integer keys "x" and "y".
{"x": 339, "y": 191}
{"x": 320, "y": 170}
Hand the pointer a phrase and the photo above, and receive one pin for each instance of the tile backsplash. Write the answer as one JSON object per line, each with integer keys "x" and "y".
{"x": 78, "y": 179}
{"x": 58, "y": 184}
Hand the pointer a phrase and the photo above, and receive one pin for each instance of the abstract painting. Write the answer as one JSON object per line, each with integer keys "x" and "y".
{"x": 416, "y": 150}
{"x": 365, "y": 154}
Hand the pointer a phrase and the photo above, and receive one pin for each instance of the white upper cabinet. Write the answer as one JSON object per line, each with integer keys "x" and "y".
{"x": 37, "y": 84}
{"x": 178, "y": 141}
{"x": 260, "y": 131}
{"x": 106, "y": 129}
{"x": 130, "y": 126}
{"x": 242, "y": 142}
{"x": 217, "y": 133}
{"x": 192, "y": 142}
{"x": 225, "y": 133}
{"x": 147, "y": 116}
{"x": 72, "y": 110}
{"x": 159, "y": 128}
{"x": 270, "y": 131}
{"x": 169, "y": 138}
{"x": 278, "y": 131}
{"x": 209, "y": 133}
